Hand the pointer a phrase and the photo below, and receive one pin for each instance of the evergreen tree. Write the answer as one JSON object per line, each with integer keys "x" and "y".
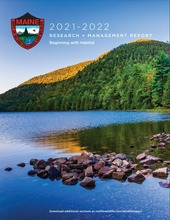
{"x": 166, "y": 95}
{"x": 162, "y": 70}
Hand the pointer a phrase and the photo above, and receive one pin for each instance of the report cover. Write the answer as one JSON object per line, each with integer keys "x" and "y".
{"x": 84, "y": 109}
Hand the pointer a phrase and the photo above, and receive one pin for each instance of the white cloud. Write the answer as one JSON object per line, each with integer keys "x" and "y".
{"x": 33, "y": 30}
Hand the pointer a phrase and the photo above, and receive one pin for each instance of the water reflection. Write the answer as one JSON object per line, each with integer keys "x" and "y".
{"x": 118, "y": 138}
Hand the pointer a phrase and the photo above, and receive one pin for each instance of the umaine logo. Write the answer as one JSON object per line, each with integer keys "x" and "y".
{"x": 27, "y": 30}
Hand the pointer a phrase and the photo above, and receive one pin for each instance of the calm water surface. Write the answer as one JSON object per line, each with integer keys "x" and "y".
{"x": 53, "y": 134}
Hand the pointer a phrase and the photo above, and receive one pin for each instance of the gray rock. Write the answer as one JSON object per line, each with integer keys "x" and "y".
{"x": 161, "y": 173}
{"x": 137, "y": 178}
{"x": 119, "y": 176}
{"x": 65, "y": 167}
{"x": 150, "y": 160}
{"x": 89, "y": 171}
{"x": 81, "y": 176}
{"x": 82, "y": 159}
{"x": 118, "y": 162}
{"x": 74, "y": 158}
{"x": 88, "y": 182}
{"x": 134, "y": 166}
{"x": 87, "y": 154}
{"x": 114, "y": 167}
{"x": 127, "y": 171}
{"x": 75, "y": 171}
{"x": 99, "y": 165}
{"x": 47, "y": 168}
{"x": 121, "y": 156}
{"x": 119, "y": 169}
{"x": 32, "y": 172}
{"x": 60, "y": 161}
{"x": 141, "y": 156}
{"x": 126, "y": 164}
{"x": 22, "y": 164}
{"x": 66, "y": 176}
{"x": 71, "y": 181}
{"x": 40, "y": 164}
{"x": 43, "y": 174}
{"x": 33, "y": 161}
{"x": 54, "y": 172}
{"x": 165, "y": 184}
{"x": 91, "y": 161}
{"x": 146, "y": 172}
{"x": 77, "y": 166}
{"x": 103, "y": 170}
{"x": 108, "y": 174}
{"x": 8, "y": 169}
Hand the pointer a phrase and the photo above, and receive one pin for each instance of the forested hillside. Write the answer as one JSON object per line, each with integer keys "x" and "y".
{"x": 132, "y": 76}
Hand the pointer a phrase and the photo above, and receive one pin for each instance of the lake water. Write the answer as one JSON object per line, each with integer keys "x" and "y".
{"x": 30, "y": 40}
{"x": 24, "y": 136}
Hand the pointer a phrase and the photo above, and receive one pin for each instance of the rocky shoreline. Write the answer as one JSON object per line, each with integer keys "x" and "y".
{"x": 87, "y": 166}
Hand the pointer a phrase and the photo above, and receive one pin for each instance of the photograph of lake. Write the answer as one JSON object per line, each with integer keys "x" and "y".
{"x": 43, "y": 135}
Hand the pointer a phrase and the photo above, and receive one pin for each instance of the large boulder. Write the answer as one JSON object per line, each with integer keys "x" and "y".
{"x": 108, "y": 174}
{"x": 127, "y": 171}
{"x": 33, "y": 161}
{"x": 103, "y": 171}
{"x": 66, "y": 176}
{"x": 146, "y": 172}
{"x": 119, "y": 176}
{"x": 40, "y": 164}
{"x": 60, "y": 161}
{"x": 137, "y": 178}
{"x": 65, "y": 167}
{"x": 54, "y": 172}
{"x": 161, "y": 173}
{"x": 99, "y": 165}
{"x": 32, "y": 172}
{"x": 43, "y": 174}
{"x": 89, "y": 171}
{"x": 82, "y": 159}
{"x": 88, "y": 182}
{"x": 81, "y": 176}
{"x": 71, "y": 181}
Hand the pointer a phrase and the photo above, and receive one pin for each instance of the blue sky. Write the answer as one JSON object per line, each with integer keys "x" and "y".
{"x": 124, "y": 16}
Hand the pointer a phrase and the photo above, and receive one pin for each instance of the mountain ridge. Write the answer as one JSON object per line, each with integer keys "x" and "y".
{"x": 123, "y": 78}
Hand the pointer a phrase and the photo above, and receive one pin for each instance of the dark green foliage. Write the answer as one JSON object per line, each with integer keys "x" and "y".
{"x": 128, "y": 77}
{"x": 162, "y": 71}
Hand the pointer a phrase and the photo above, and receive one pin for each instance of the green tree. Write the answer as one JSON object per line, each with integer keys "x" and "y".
{"x": 166, "y": 95}
{"x": 162, "y": 70}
